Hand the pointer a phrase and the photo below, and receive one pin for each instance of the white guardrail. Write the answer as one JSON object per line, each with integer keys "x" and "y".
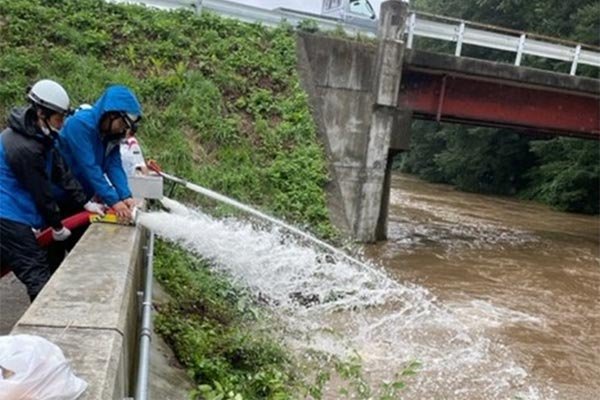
{"x": 418, "y": 25}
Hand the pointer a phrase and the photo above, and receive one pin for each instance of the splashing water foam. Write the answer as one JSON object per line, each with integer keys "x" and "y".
{"x": 341, "y": 308}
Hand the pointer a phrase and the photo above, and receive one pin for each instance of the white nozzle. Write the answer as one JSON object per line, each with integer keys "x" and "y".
{"x": 135, "y": 213}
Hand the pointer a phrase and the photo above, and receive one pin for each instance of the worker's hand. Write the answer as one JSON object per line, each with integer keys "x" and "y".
{"x": 122, "y": 210}
{"x": 61, "y": 234}
{"x": 94, "y": 207}
{"x": 130, "y": 202}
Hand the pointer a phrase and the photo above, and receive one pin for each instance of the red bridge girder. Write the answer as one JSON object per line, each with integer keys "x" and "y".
{"x": 533, "y": 109}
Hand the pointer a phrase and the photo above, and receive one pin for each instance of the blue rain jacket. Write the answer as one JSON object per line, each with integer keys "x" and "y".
{"x": 89, "y": 155}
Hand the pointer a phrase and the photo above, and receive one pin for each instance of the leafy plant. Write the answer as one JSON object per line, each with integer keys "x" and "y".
{"x": 568, "y": 176}
{"x": 213, "y": 329}
{"x": 308, "y": 25}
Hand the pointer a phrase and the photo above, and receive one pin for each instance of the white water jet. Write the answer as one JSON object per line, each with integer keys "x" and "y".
{"x": 341, "y": 308}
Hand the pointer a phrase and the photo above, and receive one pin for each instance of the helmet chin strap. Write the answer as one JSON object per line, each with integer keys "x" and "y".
{"x": 43, "y": 116}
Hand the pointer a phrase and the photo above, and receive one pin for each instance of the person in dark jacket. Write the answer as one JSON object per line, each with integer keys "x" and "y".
{"x": 90, "y": 142}
{"x": 29, "y": 165}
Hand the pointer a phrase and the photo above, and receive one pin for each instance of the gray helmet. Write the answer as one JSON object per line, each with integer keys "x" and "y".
{"x": 50, "y": 95}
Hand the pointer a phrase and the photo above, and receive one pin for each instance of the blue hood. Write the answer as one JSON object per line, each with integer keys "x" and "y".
{"x": 91, "y": 159}
{"x": 117, "y": 98}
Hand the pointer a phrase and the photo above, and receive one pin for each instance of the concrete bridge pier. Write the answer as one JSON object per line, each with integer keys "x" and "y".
{"x": 364, "y": 94}
{"x": 353, "y": 90}
{"x": 371, "y": 221}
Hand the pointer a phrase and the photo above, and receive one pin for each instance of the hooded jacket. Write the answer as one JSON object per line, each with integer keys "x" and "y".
{"x": 29, "y": 165}
{"x": 91, "y": 155}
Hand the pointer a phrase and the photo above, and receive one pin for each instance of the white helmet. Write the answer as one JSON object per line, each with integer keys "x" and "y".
{"x": 50, "y": 95}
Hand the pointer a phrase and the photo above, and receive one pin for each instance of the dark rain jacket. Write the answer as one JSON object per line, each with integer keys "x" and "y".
{"x": 29, "y": 164}
{"x": 92, "y": 157}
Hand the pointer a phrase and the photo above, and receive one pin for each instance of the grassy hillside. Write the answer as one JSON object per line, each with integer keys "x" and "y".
{"x": 221, "y": 99}
{"x": 223, "y": 108}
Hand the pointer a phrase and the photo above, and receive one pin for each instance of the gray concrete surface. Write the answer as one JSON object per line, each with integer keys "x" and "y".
{"x": 337, "y": 75}
{"x": 168, "y": 379}
{"x": 89, "y": 309}
{"x": 90, "y": 289}
{"x": 13, "y": 302}
{"x": 371, "y": 221}
{"x": 353, "y": 90}
{"x": 506, "y": 73}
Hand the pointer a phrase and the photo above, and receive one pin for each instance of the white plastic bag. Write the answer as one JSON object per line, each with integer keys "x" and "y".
{"x": 32, "y": 368}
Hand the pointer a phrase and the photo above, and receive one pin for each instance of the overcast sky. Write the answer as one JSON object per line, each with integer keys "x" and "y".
{"x": 303, "y": 5}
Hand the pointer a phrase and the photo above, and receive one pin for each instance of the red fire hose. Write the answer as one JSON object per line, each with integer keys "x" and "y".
{"x": 45, "y": 238}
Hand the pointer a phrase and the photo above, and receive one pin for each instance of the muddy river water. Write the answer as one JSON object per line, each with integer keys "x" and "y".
{"x": 496, "y": 298}
{"x": 528, "y": 276}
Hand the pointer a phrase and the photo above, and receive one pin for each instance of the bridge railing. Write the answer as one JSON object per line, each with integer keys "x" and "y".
{"x": 419, "y": 25}
{"x": 492, "y": 37}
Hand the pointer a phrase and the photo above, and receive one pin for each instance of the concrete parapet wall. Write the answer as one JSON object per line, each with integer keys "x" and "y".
{"x": 353, "y": 90}
{"x": 497, "y": 71}
{"x": 338, "y": 76}
{"x": 90, "y": 309}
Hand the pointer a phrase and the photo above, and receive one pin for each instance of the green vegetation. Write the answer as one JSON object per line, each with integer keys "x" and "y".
{"x": 212, "y": 327}
{"x": 222, "y": 101}
{"x": 223, "y": 108}
{"x": 225, "y": 340}
{"x": 564, "y": 173}
{"x": 566, "y": 176}
{"x": 476, "y": 159}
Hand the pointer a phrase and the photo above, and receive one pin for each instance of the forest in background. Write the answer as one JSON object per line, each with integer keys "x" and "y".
{"x": 563, "y": 172}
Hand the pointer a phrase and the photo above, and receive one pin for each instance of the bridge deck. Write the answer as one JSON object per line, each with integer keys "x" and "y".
{"x": 419, "y": 59}
{"x": 459, "y": 89}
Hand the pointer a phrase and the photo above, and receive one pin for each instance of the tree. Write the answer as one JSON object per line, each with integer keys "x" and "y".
{"x": 484, "y": 160}
{"x": 566, "y": 176}
{"x": 560, "y": 172}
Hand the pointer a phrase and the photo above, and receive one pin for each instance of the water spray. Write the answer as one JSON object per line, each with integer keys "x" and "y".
{"x": 340, "y": 309}
{"x": 226, "y": 200}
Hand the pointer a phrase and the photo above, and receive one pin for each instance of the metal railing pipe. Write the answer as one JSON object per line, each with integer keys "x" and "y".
{"x": 141, "y": 388}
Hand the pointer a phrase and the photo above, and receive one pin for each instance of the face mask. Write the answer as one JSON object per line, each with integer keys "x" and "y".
{"x": 48, "y": 129}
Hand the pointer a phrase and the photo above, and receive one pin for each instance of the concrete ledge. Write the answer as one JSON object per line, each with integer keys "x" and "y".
{"x": 95, "y": 356}
{"x": 505, "y": 73}
{"x": 89, "y": 309}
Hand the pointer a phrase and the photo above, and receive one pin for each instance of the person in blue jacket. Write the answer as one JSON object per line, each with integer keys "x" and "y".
{"x": 29, "y": 165}
{"x": 89, "y": 142}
